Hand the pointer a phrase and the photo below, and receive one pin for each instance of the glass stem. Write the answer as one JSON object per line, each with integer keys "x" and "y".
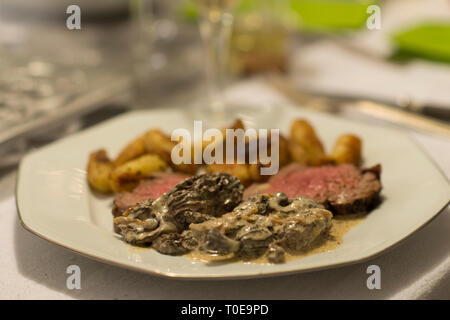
{"x": 215, "y": 30}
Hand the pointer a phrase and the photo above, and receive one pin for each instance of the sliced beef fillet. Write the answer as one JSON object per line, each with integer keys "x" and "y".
{"x": 343, "y": 189}
{"x": 150, "y": 188}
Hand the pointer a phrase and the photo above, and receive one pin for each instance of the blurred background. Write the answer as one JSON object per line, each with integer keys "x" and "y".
{"x": 130, "y": 54}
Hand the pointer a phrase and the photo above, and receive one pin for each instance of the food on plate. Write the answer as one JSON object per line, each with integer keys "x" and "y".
{"x": 231, "y": 212}
{"x": 343, "y": 189}
{"x": 283, "y": 151}
{"x": 255, "y": 173}
{"x": 151, "y": 187}
{"x": 241, "y": 171}
{"x": 201, "y": 197}
{"x": 237, "y": 124}
{"x": 267, "y": 225}
{"x": 249, "y": 172}
{"x": 305, "y": 147}
{"x": 205, "y": 215}
{"x": 134, "y": 149}
{"x": 282, "y": 146}
{"x": 98, "y": 171}
{"x": 194, "y": 200}
{"x": 126, "y": 176}
{"x": 347, "y": 149}
{"x": 157, "y": 142}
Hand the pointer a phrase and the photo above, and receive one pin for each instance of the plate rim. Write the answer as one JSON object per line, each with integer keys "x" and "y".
{"x": 169, "y": 275}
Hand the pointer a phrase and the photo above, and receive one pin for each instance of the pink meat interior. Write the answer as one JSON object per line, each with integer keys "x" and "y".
{"x": 319, "y": 183}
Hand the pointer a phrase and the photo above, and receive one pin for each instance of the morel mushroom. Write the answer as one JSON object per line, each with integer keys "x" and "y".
{"x": 196, "y": 199}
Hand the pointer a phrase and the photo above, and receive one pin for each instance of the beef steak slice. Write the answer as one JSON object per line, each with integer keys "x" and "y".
{"x": 343, "y": 189}
{"x": 150, "y": 188}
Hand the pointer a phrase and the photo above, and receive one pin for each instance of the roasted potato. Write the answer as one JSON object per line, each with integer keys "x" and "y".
{"x": 157, "y": 142}
{"x": 126, "y": 176}
{"x": 134, "y": 149}
{"x": 347, "y": 149}
{"x": 304, "y": 145}
{"x": 255, "y": 173}
{"x": 98, "y": 171}
{"x": 284, "y": 156}
{"x": 298, "y": 153}
{"x": 241, "y": 171}
{"x": 238, "y": 124}
{"x": 251, "y": 172}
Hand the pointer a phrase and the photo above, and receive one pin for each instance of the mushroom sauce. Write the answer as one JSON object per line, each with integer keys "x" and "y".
{"x": 205, "y": 218}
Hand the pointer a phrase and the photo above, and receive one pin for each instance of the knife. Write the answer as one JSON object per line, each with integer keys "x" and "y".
{"x": 394, "y": 113}
{"x": 405, "y": 103}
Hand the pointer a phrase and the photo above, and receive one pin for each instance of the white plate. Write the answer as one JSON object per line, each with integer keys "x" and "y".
{"x": 56, "y": 203}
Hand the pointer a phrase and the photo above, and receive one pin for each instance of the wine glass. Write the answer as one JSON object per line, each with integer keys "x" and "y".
{"x": 215, "y": 30}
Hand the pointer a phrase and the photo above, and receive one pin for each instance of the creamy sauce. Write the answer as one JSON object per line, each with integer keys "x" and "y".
{"x": 341, "y": 225}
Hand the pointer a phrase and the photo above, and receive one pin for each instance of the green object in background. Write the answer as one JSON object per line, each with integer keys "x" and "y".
{"x": 188, "y": 10}
{"x": 427, "y": 40}
{"x": 315, "y": 15}
{"x": 331, "y": 15}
